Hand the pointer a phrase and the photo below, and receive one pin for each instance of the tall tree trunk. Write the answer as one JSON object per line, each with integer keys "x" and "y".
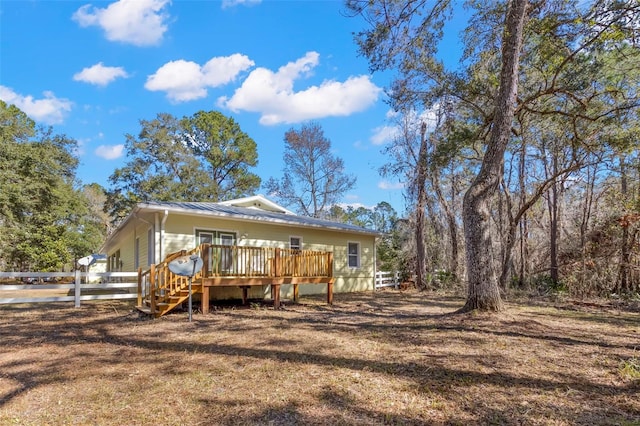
{"x": 624, "y": 272}
{"x": 455, "y": 265}
{"x": 507, "y": 256}
{"x": 421, "y": 261}
{"x": 553, "y": 225}
{"x": 584, "y": 225}
{"x": 523, "y": 223}
{"x": 483, "y": 289}
{"x": 450, "y": 218}
{"x": 524, "y": 251}
{"x": 504, "y": 225}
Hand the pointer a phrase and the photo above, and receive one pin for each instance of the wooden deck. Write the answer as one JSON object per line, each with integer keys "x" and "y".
{"x": 160, "y": 291}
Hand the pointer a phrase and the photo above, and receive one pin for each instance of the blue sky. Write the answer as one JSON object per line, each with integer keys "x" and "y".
{"x": 93, "y": 70}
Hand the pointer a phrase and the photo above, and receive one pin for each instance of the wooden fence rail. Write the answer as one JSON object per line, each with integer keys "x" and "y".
{"x": 75, "y": 284}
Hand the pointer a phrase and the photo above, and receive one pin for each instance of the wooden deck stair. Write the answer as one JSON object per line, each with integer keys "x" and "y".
{"x": 166, "y": 290}
{"x": 168, "y": 302}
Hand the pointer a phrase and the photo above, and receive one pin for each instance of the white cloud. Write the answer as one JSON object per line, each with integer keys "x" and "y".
{"x": 100, "y": 75}
{"x": 231, "y": 3}
{"x": 384, "y": 134}
{"x": 272, "y": 95}
{"x": 138, "y": 22}
{"x": 50, "y": 110}
{"x": 385, "y": 184}
{"x": 186, "y": 81}
{"x": 110, "y": 152}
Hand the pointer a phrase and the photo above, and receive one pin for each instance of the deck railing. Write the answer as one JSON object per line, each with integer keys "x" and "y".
{"x": 257, "y": 262}
{"x": 234, "y": 262}
{"x": 158, "y": 280}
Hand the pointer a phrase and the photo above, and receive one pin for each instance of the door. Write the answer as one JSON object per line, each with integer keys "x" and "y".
{"x": 220, "y": 259}
{"x": 205, "y": 237}
{"x": 226, "y": 255}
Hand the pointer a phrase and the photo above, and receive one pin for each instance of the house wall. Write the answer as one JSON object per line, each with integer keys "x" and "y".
{"x": 180, "y": 234}
{"x": 126, "y": 245}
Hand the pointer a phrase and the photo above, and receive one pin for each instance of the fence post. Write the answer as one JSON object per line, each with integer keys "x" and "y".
{"x": 76, "y": 288}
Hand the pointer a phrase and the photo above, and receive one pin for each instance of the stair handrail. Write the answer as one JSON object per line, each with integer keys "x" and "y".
{"x": 161, "y": 280}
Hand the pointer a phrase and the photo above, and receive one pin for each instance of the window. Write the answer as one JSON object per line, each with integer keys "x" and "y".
{"x": 215, "y": 237}
{"x": 295, "y": 243}
{"x": 115, "y": 264}
{"x": 353, "y": 255}
{"x": 204, "y": 237}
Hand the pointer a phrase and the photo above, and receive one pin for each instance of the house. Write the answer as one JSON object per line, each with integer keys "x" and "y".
{"x": 242, "y": 238}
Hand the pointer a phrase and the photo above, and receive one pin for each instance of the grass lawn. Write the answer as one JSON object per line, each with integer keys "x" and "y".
{"x": 387, "y": 358}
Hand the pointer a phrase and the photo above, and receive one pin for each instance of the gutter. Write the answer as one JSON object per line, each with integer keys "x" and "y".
{"x": 162, "y": 224}
{"x": 158, "y": 226}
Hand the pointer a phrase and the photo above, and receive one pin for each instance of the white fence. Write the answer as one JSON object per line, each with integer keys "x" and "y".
{"x": 45, "y": 283}
{"x": 387, "y": 279}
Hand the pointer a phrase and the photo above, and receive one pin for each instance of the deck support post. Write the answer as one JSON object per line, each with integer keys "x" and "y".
{"x": 245, "y": 296}
{"x": 205, "y": 299}
{"x": 296, "y": 293}
{"x": 275, "y": 292}
{"x": 330, "y": 282}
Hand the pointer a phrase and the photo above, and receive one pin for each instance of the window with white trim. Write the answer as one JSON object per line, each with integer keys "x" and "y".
{"x": 295, "y": 243}
{"x": 353, "y": 255}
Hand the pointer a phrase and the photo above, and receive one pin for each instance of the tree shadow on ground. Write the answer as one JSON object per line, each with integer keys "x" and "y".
{"x": 58, "y": 329}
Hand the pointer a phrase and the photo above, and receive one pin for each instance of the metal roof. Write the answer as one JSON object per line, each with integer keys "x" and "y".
{"x": 252, "y": 215}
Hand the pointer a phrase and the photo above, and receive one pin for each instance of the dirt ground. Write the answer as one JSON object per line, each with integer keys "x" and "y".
{"x": 392, "y": 357}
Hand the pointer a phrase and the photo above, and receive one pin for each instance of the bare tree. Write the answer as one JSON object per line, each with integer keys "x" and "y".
{"x": 314, "y": 179}
{"x": 421, "y": 204}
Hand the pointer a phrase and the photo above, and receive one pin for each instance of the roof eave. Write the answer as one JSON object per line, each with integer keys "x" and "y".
{"x": 151, "y": 207}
